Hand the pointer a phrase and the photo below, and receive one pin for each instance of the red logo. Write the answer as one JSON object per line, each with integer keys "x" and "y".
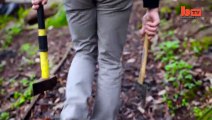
{"x": 196, "y": 12}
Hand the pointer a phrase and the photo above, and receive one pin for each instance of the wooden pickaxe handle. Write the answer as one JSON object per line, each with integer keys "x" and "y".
{"x": 144, "y": 60}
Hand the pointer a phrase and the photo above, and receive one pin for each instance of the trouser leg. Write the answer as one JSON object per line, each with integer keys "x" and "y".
{"x": 82, "y": 25}
{"x": 112, "y": 29}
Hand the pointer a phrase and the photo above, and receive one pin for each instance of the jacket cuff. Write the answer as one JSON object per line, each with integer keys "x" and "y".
{"x": 150, "y": 3}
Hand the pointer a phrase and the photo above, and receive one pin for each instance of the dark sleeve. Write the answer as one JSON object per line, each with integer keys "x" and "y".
{"x": 151, "y": 3}
{"x": 2, "y": 1}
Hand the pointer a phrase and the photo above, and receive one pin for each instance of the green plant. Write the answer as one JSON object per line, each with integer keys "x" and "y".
{"x": 28, "y": 92}
{"x": 180, "y": 68}
{"x": 200, "y": 45}
{"x": 24, "y": 82}
{"x": 27, "y": 61}
{"x": 59, "y": 19}
{"x": 12, "y": 82}
{"x": 165, "y": 9}
{"x": 22, "y": 13}
{"x": 169, "y": 46}
{"x": 10, "y": 33}
{"x": 1, "y": 67}
{"x": 203, "y": 113}
{"x": 2, "y": 91}
{"x": 170, "y": 105}
{"x": 1, "y": 81}
{"x": 32, "y": 77}
{"x": 15, "y": 28}
{"x": 207, "y": 114}
{"x": 4, "y": 116}
{"x": 167, "y": 50}
{"x": 23, "y": 97}
{"x": 29, "y": 49}
{"x": 210, "y": 7}
{"x": 4, "y": 19}
{"x": 197, "y": 112}
{"x": 184, "y": 102}
{"x": 196, "y": 47}
{"x": 177, "y": 73}
{"x": 170, "y": 34}
{"x": 16, "y": 95}
{"x": 27, "y": 82}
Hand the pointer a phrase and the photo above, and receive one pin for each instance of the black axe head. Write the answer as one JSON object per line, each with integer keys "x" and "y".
{"x": 42, "y": 85}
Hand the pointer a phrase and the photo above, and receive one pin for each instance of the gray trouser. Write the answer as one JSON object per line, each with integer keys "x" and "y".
{"x": 98, "y": 29}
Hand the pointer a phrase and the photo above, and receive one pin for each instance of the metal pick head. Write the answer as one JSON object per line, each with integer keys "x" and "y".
{"x": 142, "y": 89}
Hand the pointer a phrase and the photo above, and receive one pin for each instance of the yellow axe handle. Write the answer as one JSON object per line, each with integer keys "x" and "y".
{"x": 43, "y": 43}
{"x": 144, "y": 60}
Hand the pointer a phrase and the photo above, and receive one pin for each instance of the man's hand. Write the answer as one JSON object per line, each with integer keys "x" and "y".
{"x": 35, "y": 3}
{"x": 150, "y": 23}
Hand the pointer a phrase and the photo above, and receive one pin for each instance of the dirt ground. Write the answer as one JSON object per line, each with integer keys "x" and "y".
{"x": 49, "y": 106}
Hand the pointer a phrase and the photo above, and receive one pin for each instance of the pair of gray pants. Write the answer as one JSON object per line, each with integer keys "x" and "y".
{"x": 98, "y": 30}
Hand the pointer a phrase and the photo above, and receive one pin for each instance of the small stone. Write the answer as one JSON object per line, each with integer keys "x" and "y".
{"x": 57, "y": 100}
{"x": 50, "y": 102}
{"x": 149, "y": 99}
{"x": 162, "y": 92}
{"x": 58, "y": 106}
{"x": 210, "y": 101}
{"x": 12, "y": 119}
{"x": 141, "y": 109}
{"x": 196, "y": 103}
{"x": 132, "y": 60}
{"x": 126, "y": 53}
{"x": 61, "y": 90}
{"x": 158, "y": 101}
{"x": 37, "y": 60}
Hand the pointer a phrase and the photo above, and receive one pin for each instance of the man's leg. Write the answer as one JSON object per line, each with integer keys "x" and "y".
{"x": 82, "y": 25}
{"x": 112, "y": 22}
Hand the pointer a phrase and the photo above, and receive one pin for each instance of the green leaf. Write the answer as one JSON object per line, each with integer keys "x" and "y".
{"x": 172, "y": 79}
{"x": 184, "y": 102}
{"x": 188, "y": 77}
{"x": 189, "y": 85}
{"x": 25, "y": 82}
{"x": 197, "y": 112}
{"x": 22, "y": 13}
{"x": 17, "y": 95}
{"x": 25, "y": 47}
{"x": 4, "y": 116}
{"x": 207, "y": 114}
{"x": 176, "y": 96}
{"x": 1, "y": 81}
{"x": 198, "y": 83}
{"x": 28, "y": 92}
{"x": 59, "y": 19}
{"x": 4, "y": 20}
{"x": 22, "y": 100}
{"x": 29, "y": 49}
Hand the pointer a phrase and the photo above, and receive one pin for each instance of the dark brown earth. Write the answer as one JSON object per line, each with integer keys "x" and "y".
{"x": 49, "y": 105}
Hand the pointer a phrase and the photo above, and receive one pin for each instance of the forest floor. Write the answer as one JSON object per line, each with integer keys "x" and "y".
{"x": 172, "y": 94}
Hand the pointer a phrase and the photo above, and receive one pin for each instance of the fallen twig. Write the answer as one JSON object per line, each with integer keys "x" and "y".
{"x": 57, "y": 67}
